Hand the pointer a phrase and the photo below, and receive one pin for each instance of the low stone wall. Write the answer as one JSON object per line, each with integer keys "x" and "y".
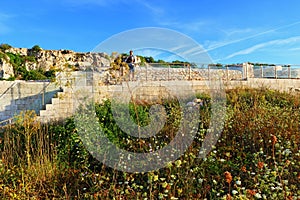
{"x": 154, "y": 90}
{"x": 169, "y": 74}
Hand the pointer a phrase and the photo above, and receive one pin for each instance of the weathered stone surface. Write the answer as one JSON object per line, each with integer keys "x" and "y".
{"x": 6, "y": 70}
{"x": 59, "y": 59}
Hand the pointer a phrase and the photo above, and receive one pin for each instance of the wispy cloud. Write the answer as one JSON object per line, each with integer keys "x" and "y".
{"x": 222, "y": 44}
{"x": 93, "y": 2}
{"x": 153, "y": 9}
{"x": 106, "y": 3}
{"x": 195, "y": 26}
{"x": 236, "y": 31}
{"x": 264, "y": 45}
{"x": 4, "y": 20}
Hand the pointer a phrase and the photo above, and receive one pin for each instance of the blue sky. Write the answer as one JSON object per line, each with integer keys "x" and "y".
{"x": 231, "y": 31}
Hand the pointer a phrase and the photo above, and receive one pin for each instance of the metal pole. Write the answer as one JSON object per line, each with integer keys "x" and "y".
{"x": 168, "y": 72}
{"x": 227, "y": 75}
{"x": 208, "y": 71}
{"x": 43, "y": 96}
{"x": 246, "y": 71}
{"x": 190, "y": 76}
{"x": 146, "y": 72}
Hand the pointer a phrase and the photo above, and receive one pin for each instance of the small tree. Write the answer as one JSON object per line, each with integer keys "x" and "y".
{"x": 36, "y": 48}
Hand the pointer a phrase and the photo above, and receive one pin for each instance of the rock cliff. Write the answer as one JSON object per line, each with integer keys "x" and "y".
{"x": 33, "y": 59}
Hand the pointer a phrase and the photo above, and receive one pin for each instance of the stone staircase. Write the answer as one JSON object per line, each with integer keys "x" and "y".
{"x": 60, "y": 108}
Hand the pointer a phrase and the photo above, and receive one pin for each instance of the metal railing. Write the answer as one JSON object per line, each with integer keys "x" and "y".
{"x": 277, "y": 71}
{"x": 6, "y": 122}
{"x": 8, "y": 89}
{"x": 179, "y": 71}
{"x": 35, "y": 102}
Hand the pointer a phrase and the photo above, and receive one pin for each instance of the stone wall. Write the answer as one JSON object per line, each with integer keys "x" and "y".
{"x": 167, "y": 74}
{"x": 21, "y": 95}
{"x": 53, "y": 104}
{"x": 155, "y": 90}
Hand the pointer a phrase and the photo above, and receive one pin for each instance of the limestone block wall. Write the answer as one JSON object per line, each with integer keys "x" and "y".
{"x": 153, "y": 90}
{"x": 17, "y": 96}
{"x": 61, "y": 107}
{"x": 284, "y": 85}
{"x": 168, "y": 74}
{"x": 52, "y": 104}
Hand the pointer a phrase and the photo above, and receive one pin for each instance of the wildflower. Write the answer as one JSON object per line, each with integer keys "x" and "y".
{"x": 258, "y": 196}
{"x": 234, "y": 192}
{"x": 178, "y": 163}
{"x": 287, "y": 152}
{"x": 228, "y": 197}
{"x": 260, "y": 165}
{"x": 238, "y": 182}
{"x": 274, "y": 139}
{"x": 251, "y": 192}
{"x": 228, "y": 177}
{"x": 244, "y": 169}
{"x": 155, "y": 178}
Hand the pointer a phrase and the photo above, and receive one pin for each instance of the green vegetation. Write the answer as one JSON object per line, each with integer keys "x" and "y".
{"x": 4, "y": 47}
{"x": 256, "y": 157}
{"x": 36, "y": 48}
{"x": 19, "y": 65}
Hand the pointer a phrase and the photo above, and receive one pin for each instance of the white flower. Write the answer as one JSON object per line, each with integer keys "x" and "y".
{"x": 287, "y": 152}
{"x": 257, "y": 195}
{"x": 238, "y": 182}
{"x": 234, "y": 192}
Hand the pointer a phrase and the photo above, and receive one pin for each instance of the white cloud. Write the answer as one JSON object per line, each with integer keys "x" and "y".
{"x": 217, "y": 45}
{"x": 154, "y": 9}
{"x": 237, "y": 31}
{"x": 279, "y": 43}
{"x": 94, "y": 2}
{"x": 105, "y": 3}
{"x": 4, "y": 18}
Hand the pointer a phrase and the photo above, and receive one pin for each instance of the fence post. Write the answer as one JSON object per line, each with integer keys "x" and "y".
{"x": 227, "y": 75}
{"x": 189, "y": 66}
{"x": 146, "y": 72}
{"x": 261, "y": 71}
{"x": 275, "y": 71}
{"x": 208, "y": 71}
{"x": 168, "y": 72}
{"x": 43, "y": 95}
{"x": 289, "y": 71}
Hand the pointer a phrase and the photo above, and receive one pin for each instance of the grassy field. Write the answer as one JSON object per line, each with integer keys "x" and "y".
{"x": 256, "y": 157}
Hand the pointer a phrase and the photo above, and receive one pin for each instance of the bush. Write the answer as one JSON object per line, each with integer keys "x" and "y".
{"x": 36, "y": 48}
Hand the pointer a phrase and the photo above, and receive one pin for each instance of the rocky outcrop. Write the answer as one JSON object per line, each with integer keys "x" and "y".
{"x": 6, "y": 69}
{"x": 49, "y": 59}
